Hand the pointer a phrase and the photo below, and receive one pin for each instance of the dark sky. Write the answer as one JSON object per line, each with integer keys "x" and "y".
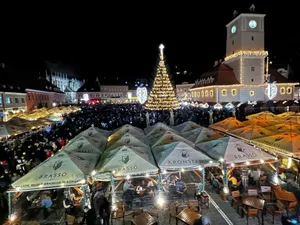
{"x": 122, "y": 39}
{"x": 194, "y": 36}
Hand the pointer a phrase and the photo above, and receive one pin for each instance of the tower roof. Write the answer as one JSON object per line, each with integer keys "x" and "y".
{"x": 245, "y": 15}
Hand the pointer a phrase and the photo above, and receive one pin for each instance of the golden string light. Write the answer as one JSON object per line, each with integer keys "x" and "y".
{"x": 162, "y": 95}
{"x": 246, "y": 53}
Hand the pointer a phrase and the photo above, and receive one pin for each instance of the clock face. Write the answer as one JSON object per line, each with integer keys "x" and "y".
{"x": 252, "y": 24}
{"x": 233, "y": 29}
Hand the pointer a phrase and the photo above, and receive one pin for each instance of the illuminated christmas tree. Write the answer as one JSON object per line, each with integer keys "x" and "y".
{"x": 162, "y": 95}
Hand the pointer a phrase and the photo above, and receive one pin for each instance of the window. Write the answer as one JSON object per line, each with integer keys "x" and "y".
{"x": 206, "y": 93}
{"x": 16, "y": 100}
{"x": 0, "y": 100}
{"x": 282, "y": 90}
{"x": 232, "y": 42}
{"x": 7, "y": 100}
{"x": 233, "y": 92}
{"x": 211, "y": 93}
{"x": 252, "y": 38}
{"x": 251, "y": 93}
{"x": 202, "y": 94}
{"x": 252, "y": 68}
{"x": 252, "y": 80}
{"x": 289, "y": 90}
{"x": 224, "y": 92}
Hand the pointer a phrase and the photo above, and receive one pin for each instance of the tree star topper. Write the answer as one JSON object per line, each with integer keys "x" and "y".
{"x": 161, "y": 47}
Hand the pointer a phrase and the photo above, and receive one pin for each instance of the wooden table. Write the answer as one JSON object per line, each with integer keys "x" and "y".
{"x": 143, "y": 219}
{"x": 256, "y": 203}
{"x": 188, "y": 217}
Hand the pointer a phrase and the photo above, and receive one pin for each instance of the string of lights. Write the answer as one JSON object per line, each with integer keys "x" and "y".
{"x": 162, "y": 95}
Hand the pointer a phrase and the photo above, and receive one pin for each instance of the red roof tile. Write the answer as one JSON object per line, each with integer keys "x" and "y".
{"x": 219, "y": 75}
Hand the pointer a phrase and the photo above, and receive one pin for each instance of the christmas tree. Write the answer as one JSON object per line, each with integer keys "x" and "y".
{"x": 162, "y": 95}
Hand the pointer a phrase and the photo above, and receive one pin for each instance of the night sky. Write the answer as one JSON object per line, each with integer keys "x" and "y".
{"x": 125, "y": 42}
{"x": 194, "y": 37}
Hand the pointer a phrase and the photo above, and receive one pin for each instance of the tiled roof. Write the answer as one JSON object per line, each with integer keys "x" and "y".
{"x": 90, "y": 86}
{"x": 219, "y": 75}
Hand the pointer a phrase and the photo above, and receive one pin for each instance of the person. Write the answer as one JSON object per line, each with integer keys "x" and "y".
{"x": 128, "y": 186}
{"x": 46, "y": 204}
{"x": 233, "y": 180}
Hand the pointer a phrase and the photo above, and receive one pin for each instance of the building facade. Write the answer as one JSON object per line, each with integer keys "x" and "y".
{"x": 62, "y": 77}
{"x": 244, "y": 75}
{"x": 104, "y": 93}
{"x": 12, "y": 100}
{"x": 183, "y": 92}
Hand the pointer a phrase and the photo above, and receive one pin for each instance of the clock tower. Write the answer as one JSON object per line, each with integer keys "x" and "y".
{"x": 245, "y": 49}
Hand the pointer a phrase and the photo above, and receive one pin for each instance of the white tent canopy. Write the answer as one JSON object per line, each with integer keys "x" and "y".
{"x": 157, "y": 127}
{"x": 178, "y": 155}
{"x": 127, "y": 161}
{"x": 97, "y": 139}
{"x": 192, "y": 135}
{"x": 85, "y": 145}
{"x": 128, "y": 140}
{"x": 136, "y": 132}
{"x": 170, "y": 137}
{"x": 233, "y": 150}
{"x": 61, "y": 169}
{"x": 207, "y": 135}
{"x": 186, "y": 126}
{"x": 94, "y": 131}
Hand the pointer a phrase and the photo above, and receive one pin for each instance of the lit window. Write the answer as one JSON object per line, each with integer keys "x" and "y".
{"x": 202, "y": 94}
{"x": 233, "y": 92}
{"x": 289, "y": 90}
{"x": 7, "y": 100}
{"x": 252, "y": 68}
{"x": 206, "y": 93}
{"x": 251, "y": 93}
{"x": 282, "y": 90}
{"x": 211, "y": 93}
{"x": 0, "y": 100}
{"x": 224, "y": 92}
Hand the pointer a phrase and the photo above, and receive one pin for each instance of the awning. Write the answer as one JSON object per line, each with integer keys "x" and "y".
{"x": 170, "y": 137}
{"x": 127, "y": 161}
{"x": 227, "y": 124}
{"x": 186, "y": 126}
{"x": 234, "y": 151}
{"x": 59, "y": 170}
{"x": 178, "y": 155}
{"x": 128, "y": 140}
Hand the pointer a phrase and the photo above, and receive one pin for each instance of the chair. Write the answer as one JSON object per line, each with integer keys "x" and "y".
{"x": 119, "y": 212}
{"x": 251, "y": 212}
{"x": 173, "y": 210}
{"x": 236, "y": 199}
{"x": 275, "y": 209}
{"x": 153, "y": 212}
{"x": 191, "y": 190}
{"x": 266, "y": 193}
{"x": 194, "y": 205}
